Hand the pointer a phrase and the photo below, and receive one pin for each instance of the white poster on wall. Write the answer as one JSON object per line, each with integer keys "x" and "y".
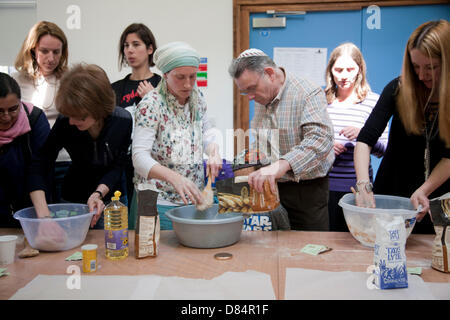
{"x": 309, "y": 63}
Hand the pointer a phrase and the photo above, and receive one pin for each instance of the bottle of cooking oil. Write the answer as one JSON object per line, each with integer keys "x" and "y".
{"x": 116, "y": 229}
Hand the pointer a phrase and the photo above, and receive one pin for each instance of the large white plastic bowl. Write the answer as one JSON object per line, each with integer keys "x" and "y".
{"x": 361, "y": 221}
{"x": 205, "y": 229}
{"x": 75, "y": 227}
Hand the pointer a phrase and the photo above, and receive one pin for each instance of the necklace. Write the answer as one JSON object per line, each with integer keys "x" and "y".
{"x": 428, "y": 136}
{"x": 38, "y": 85}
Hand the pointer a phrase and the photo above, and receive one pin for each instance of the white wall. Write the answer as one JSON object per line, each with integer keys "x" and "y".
{"x": 207, "y": 25}
{"x": 14, "y": 25}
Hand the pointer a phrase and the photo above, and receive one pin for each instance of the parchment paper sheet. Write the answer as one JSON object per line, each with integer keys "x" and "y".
{"x": 230, "y": 285}
{"x": 305, "y": 284}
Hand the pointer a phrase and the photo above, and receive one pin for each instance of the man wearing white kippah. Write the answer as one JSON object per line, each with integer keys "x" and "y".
{"x": 302, "y": 156}
{"x": 172, "y": 131}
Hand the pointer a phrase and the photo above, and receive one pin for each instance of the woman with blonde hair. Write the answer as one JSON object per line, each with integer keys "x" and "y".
{"x": 350, "y": 102}
{"x": 41, "y": 62}
{"x": 417, "y": 159}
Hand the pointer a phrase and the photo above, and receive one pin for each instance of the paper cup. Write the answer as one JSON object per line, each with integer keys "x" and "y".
{"x": 7, "y": 249}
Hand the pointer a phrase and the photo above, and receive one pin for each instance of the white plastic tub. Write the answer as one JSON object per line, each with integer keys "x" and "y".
{"x": 71, "y": 230}
{"x": 361, "y": 221}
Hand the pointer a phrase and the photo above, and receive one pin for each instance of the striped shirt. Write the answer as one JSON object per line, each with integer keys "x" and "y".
{"x": 300, "y": 132}
{"x": 342, "y": 175}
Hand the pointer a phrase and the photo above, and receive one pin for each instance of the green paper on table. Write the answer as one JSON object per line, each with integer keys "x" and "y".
{"x": 75, "y": 257}
{"x": 415, "y": 270}
{"x": 315, "y": 249}
{"x": 3, "y": 272}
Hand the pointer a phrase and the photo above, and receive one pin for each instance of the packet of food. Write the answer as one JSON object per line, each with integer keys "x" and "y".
{"x": 147, "y": 225}
{"x": 440, "y": 213}
{"x": 236, "y": 195}
{"x": 389, "y": 252}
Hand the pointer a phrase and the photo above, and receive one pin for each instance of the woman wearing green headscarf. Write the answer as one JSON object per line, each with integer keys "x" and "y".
{"x": 172, "y": 132}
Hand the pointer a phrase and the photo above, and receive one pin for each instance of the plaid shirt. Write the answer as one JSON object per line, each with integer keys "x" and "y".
{"x": 300, "y": 129}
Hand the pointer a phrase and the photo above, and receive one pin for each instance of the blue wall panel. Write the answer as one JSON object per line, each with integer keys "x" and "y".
{"x": 315, "y": 29}
{"x": 382, "y": 48}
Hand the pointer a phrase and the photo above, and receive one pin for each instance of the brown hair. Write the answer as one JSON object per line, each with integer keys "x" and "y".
{"x": 144, "y": 33}
{"x": 432, "y": 39}
{"x": 85, "y": 90}
{"x": 362, "y": 87}
{"x": 26, "y": 62}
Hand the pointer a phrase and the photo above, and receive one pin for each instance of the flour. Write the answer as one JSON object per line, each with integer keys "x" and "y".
{"x": 362, "y": 228}
{"x": 208, "y": 200}
{"x": 389, "y": 252}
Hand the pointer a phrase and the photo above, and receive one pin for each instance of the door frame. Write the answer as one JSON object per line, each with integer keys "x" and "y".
{"x": 241, "y": 33}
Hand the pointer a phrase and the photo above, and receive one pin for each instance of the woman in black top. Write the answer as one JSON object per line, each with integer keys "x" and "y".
{"x": 23, "y": 131}
{"x": 96, "y": 135}
{"x": 416, "y": 163}
{"x": 136, "y": 48}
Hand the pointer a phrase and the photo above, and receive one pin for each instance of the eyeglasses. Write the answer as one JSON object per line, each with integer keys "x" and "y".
{"x": 11, "y": 111}
{"x": 251, "y": 89}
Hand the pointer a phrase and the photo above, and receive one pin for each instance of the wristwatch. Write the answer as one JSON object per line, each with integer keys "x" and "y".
{"x": 367, "y": 186}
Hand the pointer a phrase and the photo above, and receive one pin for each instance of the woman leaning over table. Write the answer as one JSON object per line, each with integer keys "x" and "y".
{"x": 41, "y": 62}
{"x": 350, "y": 102}
{"x": 23, "y": 131}
{"x": 96, "y": 134}
{"x": 172, "y": 131}
{"x": 416, "y": 163}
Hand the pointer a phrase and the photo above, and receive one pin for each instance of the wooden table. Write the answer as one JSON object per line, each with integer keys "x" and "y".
{"x": 268, "y": 252}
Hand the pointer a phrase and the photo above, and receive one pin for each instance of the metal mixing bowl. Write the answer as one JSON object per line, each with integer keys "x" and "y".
{"x": 205, "y": 229}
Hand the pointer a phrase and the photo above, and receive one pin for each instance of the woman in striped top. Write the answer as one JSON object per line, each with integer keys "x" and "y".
{"x": 350, "y": 103}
